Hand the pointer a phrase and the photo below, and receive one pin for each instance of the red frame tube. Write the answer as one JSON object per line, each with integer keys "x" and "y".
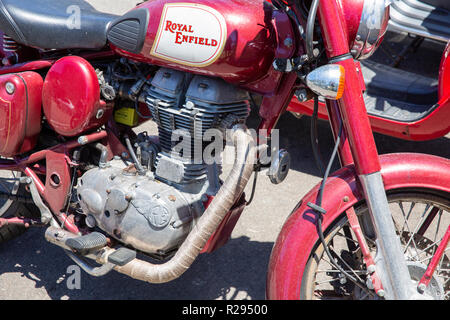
{"x": 426, "y": 278}
{"x": 26, "y": 222}
{"x": 428, "y": 128}
{"x": 367, "y": 256}
{"x": 55, "y": 197}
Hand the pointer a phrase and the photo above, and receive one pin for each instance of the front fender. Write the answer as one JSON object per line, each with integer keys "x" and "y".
{"x": 298, "y": 235}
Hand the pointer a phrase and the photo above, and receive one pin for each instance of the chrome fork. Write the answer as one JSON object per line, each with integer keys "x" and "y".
{"x": 390, "y": 260}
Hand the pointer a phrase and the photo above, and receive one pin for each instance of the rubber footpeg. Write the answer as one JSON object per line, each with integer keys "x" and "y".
{"x": 122, "y": 256}
{"x": 88, "y": 243}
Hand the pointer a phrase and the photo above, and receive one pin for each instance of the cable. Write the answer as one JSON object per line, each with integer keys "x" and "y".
{"x": 318, "y": 208}
{"x": 137, "y": 164}
{"x": 310, "y": 30}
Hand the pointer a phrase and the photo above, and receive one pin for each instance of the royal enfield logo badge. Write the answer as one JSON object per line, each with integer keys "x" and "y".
{"x": 190, "y": 34}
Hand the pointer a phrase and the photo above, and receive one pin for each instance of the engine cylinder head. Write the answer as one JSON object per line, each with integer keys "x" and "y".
{"x": 185, "y": 107}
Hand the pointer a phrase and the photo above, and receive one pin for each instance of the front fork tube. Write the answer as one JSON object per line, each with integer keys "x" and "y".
{"x": 390, "y": 259}
{"x": 357, "y": 143}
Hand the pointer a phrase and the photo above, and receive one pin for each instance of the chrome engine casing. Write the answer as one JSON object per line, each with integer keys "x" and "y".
{"x": 145, "y": 213}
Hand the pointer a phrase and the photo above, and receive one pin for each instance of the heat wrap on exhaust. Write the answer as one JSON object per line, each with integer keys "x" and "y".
{"x": 231, "y": 190}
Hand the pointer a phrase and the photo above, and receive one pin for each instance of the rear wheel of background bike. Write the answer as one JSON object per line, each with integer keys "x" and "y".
{"x": 9, "y": 184}
{"x": 421, "y": 218}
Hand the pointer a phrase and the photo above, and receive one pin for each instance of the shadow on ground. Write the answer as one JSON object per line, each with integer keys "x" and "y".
{"x": 236, "y": 271}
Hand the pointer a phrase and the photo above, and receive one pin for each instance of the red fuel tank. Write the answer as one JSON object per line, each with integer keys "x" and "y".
{"x": 20, "y": 112}
{"x": 234, "y": 40}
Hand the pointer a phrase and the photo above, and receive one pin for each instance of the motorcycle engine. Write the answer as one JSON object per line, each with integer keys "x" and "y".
{"x": 154, "y": 212}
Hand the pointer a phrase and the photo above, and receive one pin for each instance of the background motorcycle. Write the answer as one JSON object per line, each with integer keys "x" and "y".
{"x": 70, "y": 129}
{"x": 406, "y": 81}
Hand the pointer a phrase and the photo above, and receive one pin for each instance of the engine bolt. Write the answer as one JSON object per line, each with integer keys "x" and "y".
{"x": 100, "y": 113}
{"x": 288, "y": 42}
{"x": 301, "y": 95}
{"x": 10, "y": 87}
{"x": 381, "y": 293}
{"x": 345, "y": 199}
{"x": 82, "y": 140}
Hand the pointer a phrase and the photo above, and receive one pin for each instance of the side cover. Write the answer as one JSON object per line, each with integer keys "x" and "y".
{"x": 71, "y": 97}
{"x": 20, "y": 112}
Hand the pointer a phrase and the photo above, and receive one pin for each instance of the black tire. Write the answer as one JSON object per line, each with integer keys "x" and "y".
{"x": 325, "y": 277}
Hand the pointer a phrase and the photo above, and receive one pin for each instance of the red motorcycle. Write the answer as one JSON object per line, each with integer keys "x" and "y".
{"x": 75, "y": 82}
{"x": 400, "y": 103}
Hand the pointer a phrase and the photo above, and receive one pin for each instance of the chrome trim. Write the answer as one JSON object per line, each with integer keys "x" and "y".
{"x": 324, "y": 81}
{"x": 390, "y": 259}
{"x": 373, "y": 17}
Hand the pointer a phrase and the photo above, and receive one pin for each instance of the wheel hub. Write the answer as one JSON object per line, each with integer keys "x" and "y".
{"x": 434, "y": 290}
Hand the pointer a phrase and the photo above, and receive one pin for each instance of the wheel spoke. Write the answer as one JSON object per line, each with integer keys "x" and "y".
{"x": 419, "y": 219}
{"x": 428, "y": 221}
{"x": 430, "y": 257}
{"x": 411, "y": 238}
{"x": 438, "y": 224}
{"x": 345, "y": 263}
{"x": 405, "y": 216}
{"x": 338, "y": 271}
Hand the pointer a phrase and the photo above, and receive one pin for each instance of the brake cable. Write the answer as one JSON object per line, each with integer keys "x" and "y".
{"x": 317, "y": 207}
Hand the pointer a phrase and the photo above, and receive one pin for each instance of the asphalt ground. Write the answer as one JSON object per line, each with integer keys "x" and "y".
{"x": 33, "y": 269}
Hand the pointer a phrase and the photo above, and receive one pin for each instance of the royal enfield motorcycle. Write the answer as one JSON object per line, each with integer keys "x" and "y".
{"x": 75, "y": 82}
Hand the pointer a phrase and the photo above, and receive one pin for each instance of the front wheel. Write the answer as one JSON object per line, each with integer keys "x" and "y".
{"x": 421, "y": 217}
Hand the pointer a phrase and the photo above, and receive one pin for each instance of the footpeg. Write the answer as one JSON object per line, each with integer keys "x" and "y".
{"x": 122, "y": 256}
{"x": 87, "y": 244}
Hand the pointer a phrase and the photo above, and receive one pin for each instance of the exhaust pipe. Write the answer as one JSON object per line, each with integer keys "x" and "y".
{"x": 231, "y": 190}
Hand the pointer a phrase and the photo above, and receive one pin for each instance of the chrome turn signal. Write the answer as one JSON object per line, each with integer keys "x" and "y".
{"x": 327, "y": 81}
